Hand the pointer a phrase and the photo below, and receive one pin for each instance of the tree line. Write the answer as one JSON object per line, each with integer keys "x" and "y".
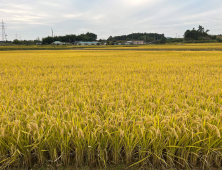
{"x": 147, "y": 37}
{"x": 190, "y": 36}
{"x": 199, "y": 35}
{"x": 70, "y": 38}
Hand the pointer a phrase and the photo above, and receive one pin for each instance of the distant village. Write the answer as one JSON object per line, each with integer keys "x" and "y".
{"x": 137, "y": 42}
{"x": 90, "y": 39}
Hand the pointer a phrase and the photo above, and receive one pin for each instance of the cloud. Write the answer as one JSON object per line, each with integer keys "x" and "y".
{"x": 105, "y": 18}
{"x": 72, "y": 16}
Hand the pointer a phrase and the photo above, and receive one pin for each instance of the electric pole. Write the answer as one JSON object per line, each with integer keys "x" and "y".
{"x": 132, "y": 39}
{"x": 53, "y": 38}
{"x": 4, "y": 36}
{"x": 183, "y": 38}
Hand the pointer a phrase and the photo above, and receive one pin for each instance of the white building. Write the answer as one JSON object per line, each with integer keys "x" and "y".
{"x": 128, "y": 43}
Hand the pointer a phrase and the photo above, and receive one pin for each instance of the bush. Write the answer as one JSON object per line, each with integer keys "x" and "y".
{"x": 219, "y": 40}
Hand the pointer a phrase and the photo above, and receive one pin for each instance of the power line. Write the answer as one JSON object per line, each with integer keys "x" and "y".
{"x": 18, "y": 4}
{"x": 42, "y": 33}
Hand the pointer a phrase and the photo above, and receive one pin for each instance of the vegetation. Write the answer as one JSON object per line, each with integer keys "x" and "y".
{"x": 25, "y": 42}
{"x": 147, "y": 37}
{"x": 179, "y": 46}
{"x": 71, "y": 38}
{"x": 96, "y": 108}
{"x": 199, "y": 34}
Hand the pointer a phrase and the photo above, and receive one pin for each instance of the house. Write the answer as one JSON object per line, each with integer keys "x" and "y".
{"x": 129, "y": 43}
{"x": 39, "y": 43}
{"x": 138, "y": 42}
{"x": 57, "y": 43}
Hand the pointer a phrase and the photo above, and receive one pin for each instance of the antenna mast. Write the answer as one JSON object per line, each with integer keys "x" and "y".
{"x": 4, "y": 36}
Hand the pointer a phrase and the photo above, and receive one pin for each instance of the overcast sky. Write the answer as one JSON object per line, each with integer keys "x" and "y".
{"x": 35, "y": 18}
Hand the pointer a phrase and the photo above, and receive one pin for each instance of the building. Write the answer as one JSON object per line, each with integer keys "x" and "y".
{"x": 57, "y": 43}
{"x": 67, "y": 43}
{"x": 76, "y": 42}
{"x": 86, "y": 43}
{"x": 38, "y": 43}
{"x": 138, "y": 42}
{"x": 129, "y": 43}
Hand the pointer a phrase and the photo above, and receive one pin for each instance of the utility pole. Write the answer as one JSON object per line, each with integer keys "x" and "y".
{"x": 183, "y": 38}
{"x": 53, "y": 38}
{"x": 132, "y": 36}
{"x": 4, "y": 36}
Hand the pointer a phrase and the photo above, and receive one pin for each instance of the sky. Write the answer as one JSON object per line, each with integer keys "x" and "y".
{"x": 30, "y": 19}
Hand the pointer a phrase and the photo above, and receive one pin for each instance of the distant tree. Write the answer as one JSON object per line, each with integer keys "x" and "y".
{"x": 163, "y": 40}
{"x": 196, "y": 34}
{"x": 151, "y": 39}
{"x": 92, "y": 36}
{"x": 71, "y": 38}
{"x": 110, "y": 38}
{"x": 137, "y": 36}
{"x": 200, "y": 29}
{"x": 16, "y": 41}
{"x": 219, "y": 39}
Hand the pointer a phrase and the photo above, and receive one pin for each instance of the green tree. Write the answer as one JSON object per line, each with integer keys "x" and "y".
{"x": 163, "y": 40}
{"x": 16, "y": 41}
{"x": 137, "y": 36}
{"x": 196, "y": 34}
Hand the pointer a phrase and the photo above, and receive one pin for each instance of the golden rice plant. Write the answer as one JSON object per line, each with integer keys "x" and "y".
{"x": 101, "y": 108}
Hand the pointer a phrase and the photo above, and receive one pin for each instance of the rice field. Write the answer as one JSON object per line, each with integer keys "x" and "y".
{"x": 101, "y": 108}
{"x": 152, "y": 47}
